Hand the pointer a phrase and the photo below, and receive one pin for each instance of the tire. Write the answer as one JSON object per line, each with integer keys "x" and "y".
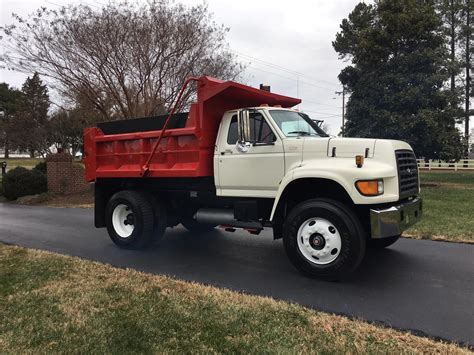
{"x": 332, "y": 247}
{"x": 193, "y": 226}
{"x": 382, "y": 243}
{"x": 130, "y": 219}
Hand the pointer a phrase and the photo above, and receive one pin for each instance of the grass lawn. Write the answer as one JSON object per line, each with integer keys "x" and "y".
{"x": 52, "y": 303}
{"x": 447, "y": 177}
{"x": 448, "y": 203}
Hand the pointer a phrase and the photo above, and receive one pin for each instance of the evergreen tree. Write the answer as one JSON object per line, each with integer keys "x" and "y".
{"x": 36, "y": 98}
{"x": 399, "y": 67}
{"x": 467, "y": 49}
{"x": 459, "y": 27}
{"x": 450, "y": 12}
{"x": 29, "y": 128}
{"x": 11, "y": 103}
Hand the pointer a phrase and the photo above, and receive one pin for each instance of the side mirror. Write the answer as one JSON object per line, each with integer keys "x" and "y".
{"x": 243, "y": 147}
{"x": 244, "y": 126}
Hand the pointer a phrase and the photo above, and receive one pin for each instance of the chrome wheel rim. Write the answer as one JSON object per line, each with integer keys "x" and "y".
{"x": 319, "y": 241}
{"x": 123, "y": 221}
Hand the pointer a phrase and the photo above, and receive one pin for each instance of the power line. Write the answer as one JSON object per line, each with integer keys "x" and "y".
{"x": 89, "y": 4}
{"x": 282, "y": 68}
{"x": 304, "y": 101}
{"x": 321, "y": 113}
{"x": 52, "y": 3}
{"x": 320, "y": 103}
{"x": 292, "y": 79}
{"x": 81, "y": 2}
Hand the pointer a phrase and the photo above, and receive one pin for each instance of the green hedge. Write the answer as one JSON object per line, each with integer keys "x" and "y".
{"x": 41, "y": 167}
{"x": 20, "y": 182}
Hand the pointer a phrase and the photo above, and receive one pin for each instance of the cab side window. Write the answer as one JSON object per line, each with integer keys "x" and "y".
{"x": 233, "y": 134}
{"x": 260, "y": 131}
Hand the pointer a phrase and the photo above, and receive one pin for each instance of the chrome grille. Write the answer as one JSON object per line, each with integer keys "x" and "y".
{"x": 407, "y": 173}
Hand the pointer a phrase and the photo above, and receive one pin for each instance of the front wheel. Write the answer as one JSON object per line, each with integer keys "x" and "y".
{"x": 323, "y": 238}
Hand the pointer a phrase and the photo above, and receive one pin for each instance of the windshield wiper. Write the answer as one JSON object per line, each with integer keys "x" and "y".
{"x": 303, "y": 133}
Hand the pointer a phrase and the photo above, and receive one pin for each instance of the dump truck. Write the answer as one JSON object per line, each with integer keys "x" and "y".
{"x": 244, "y": 158}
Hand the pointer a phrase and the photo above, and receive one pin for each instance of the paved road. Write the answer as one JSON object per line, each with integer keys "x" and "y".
{"x": 423, "y": 286}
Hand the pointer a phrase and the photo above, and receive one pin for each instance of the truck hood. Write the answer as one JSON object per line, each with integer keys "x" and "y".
{"x": 350, "y": 147}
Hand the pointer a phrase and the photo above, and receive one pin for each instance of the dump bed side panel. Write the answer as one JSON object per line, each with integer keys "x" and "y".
{"x": 123, "y": 155}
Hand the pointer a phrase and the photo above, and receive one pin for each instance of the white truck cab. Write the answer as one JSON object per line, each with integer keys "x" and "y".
{"x": 282, "y": 146}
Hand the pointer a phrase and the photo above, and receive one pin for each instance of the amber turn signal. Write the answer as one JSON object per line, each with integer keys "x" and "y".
{"x": 370, "y": 187}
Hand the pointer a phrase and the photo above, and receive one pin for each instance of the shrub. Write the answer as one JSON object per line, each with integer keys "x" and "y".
{"x": 41, "y": 167}
{"x": 20, "y": 182}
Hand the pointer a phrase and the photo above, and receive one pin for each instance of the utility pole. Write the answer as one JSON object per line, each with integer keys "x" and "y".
{"x": 343, "y": 93}
{"x": 298, "y": 89}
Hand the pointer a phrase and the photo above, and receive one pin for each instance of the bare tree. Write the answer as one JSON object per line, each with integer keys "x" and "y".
{"x": 128, "y": 59}
{"x": 66, "y": 126}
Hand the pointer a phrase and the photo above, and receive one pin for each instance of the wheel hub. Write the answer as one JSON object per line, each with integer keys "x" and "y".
{"x": 319, "y": 241}
{"x": 129, "y": 220}
{"x": 123, "y": 221}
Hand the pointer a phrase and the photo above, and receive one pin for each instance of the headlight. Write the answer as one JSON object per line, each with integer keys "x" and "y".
{"x": 370, "y": 187}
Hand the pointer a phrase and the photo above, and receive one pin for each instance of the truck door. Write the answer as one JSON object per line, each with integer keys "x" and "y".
{"x": 253, "y": 168}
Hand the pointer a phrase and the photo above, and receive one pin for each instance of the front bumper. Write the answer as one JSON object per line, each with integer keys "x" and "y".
{"x": 393, "y": 221}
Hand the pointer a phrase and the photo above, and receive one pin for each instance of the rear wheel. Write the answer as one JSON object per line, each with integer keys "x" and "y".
{"x": 130, "y": 219}
{"x": 383, "y": 243}
{"x": 323, "y": 238}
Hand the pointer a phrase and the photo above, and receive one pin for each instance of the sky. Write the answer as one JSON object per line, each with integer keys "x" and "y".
{"x": 286, "y": 44}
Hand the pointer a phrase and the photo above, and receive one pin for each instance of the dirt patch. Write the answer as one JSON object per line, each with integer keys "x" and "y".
{"x": 429, "y": 184}
{"x": 446, "y": 184}
{"x": 79, "y": 200}
{"x": 439, "y": 238}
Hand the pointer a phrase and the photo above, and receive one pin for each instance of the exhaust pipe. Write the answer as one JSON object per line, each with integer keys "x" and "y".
{"x": 224, "y": 217}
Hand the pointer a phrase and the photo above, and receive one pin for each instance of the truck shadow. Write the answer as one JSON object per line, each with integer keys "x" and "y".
{"x": 250, "y": 256}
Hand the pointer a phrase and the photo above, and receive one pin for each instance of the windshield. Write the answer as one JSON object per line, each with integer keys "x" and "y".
{"x": 294, "y": 124}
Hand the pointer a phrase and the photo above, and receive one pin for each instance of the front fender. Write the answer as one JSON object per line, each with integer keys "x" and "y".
{"x": 304, "y": 173}
{"x": 344, "y": 172}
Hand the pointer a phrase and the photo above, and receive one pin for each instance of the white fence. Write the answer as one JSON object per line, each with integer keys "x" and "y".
{"x": 464, "y": 164}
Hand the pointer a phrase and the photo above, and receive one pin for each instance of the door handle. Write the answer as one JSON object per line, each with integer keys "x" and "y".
{"x": 227, "y": 151}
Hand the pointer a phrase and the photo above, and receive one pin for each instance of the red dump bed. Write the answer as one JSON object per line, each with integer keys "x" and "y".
{"x": 182, "y": 152}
